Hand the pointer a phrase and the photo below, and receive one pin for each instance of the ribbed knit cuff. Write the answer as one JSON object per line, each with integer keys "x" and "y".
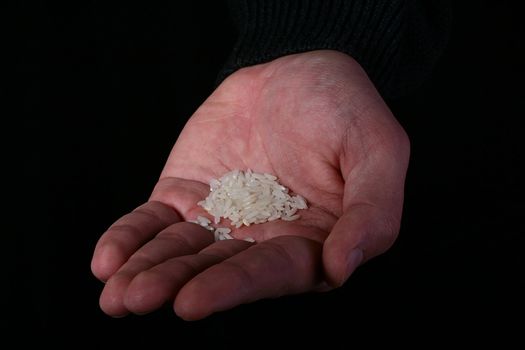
{"x": 371, "y": 31}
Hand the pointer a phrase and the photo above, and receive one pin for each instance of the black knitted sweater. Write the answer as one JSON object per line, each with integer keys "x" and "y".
{"x": 397, "y": 42}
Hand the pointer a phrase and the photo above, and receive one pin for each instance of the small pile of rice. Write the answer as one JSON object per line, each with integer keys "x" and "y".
{"x": 247, "y": 198}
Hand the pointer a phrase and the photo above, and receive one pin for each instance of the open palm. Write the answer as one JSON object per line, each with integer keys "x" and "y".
{"x": 316, "y": 122}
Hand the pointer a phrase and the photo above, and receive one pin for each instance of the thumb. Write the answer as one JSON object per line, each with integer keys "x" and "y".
{"x": 362, "y": 232}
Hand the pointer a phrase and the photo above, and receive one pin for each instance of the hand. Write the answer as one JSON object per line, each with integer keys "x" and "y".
{"x": 316, "y": 122}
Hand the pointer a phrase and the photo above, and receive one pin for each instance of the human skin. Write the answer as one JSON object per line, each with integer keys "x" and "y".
{"x": 314, "y": 120}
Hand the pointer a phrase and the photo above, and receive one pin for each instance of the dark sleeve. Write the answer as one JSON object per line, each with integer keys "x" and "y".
{"x": 397, "y": 42}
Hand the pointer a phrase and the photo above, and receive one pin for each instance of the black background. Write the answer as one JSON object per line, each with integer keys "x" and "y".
{"x": 100, "y": 93}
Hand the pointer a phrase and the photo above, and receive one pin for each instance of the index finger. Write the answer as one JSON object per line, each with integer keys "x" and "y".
{"x": 279, "y": 266}
{"x": 128, "y": 234}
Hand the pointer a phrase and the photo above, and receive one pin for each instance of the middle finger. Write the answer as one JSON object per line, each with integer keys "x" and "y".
{"x": 176, "y": 240}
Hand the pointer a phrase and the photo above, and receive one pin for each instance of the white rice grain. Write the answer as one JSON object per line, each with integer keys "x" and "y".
{"x": 247, "y": 198}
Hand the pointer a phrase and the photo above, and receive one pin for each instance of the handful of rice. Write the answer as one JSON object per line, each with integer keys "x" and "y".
{"x": 247, "y": 198}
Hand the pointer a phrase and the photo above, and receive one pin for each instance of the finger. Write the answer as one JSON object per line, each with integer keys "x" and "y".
{"x": 372, "y": 207}
{"x": 154, "y": 287}
{"x": 362, "y": 232}
{"x": 373, "y": 201}
{"x": 177, "y": 240}
{"x": 283, "y": 265}
{"x": 127, "y": 234}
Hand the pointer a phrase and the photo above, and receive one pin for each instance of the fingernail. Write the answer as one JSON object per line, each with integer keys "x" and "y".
{"x": 354, "y": 259}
